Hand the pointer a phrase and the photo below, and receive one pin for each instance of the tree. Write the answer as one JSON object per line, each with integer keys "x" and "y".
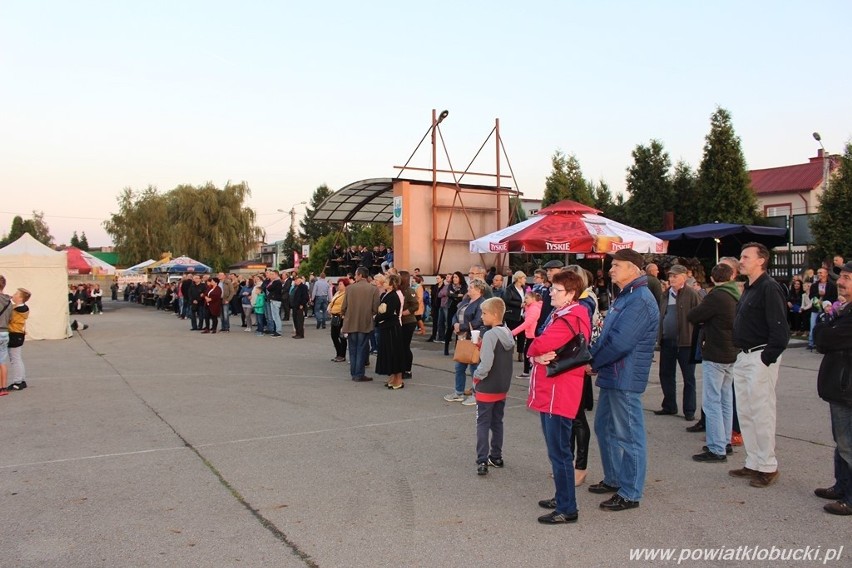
{"x": 310, "y": 230}
{"x": 372, "y": 234}
{"x": 609, "y": 206}
{"x": 320, "y": 251}
{"x": 724, "y": 188}
{"x": 831, "y": 228}
{"x": 84, "y": 242}
{"x": 75, "y": 240}
{"x": 36, "y": 227}
{"x": 566, "y": 181}
{"x": 206, "y": 223}
{"x": 290, "y": 245}
{"x": 649, "y": 186}
{"x": 140, "y": 230}
{"x": 685, "y": 192}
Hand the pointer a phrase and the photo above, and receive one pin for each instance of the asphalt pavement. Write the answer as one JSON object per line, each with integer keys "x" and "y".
{"x": 141, "y": 443}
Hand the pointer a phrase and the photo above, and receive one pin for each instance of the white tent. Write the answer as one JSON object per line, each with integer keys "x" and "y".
{"x": 137, "y": 268}
{"x": 27, "y": 263}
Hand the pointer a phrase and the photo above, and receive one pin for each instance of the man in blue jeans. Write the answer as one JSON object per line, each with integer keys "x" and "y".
{"x": 359, "y": 306}
{"x": 622, "y": 358}
{"x": 320, "y": 294}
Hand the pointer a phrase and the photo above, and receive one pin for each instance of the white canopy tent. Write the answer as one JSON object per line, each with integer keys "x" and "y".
{"x": 27, "y": 263}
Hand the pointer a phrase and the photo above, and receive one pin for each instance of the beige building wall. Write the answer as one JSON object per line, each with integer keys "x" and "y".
{"x": 419, "y": 240}
{"x": 789, "y": 203}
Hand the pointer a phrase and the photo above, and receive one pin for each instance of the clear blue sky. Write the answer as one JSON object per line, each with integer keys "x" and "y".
{"x": 98, "y": 96}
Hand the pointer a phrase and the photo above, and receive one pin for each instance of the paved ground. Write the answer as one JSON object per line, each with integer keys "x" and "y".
{"x": 140, "y": 443}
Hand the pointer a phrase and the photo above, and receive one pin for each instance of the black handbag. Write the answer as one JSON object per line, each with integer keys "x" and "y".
{"x": 573, "y": 354}
{"x": 336, "y": 320}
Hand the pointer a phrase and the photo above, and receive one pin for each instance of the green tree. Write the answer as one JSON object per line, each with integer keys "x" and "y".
{"x": 685, "y": 196}
{"x": 286, "y": 249}
{"x": 310, "y": 230}
{"x": 140, "y": 229}
{"x": 831, "y": 228}
{"x": 84, "y": 242}
{"x": 319, "y": 254}
{"x": 724, "y": 188}
{"x": 566, "y": 181}
{"x": 611, "y": 207}
{"x": 649, "y": 186}
{"x": 75, "y": 240}
{"x": 372, "y": 234}
{"x": 36, "y": 227}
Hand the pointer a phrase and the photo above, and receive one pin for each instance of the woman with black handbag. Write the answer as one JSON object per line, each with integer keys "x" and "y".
{"x": 557, "y": 397}
{"x": 335, "y": 309}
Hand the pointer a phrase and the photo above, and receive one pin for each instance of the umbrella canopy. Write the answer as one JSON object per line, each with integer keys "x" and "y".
{"x": 138, "y": 268}
{"x": 567, "y": 227}
{"x": 727, "y": 239}
{"x": 181, "y": 265}
{"x": 81, "y": 262}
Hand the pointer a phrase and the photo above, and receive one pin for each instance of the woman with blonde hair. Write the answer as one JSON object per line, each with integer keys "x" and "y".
{"x": 335, "y": 309}
{"x": 513, "y": 296}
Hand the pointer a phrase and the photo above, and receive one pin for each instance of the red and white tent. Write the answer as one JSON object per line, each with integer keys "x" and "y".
{"x": 568, "y": 227}
{"x": 81, "y": 262}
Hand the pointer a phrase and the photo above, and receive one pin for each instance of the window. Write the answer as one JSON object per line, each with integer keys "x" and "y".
{"x": 780, "y": 210}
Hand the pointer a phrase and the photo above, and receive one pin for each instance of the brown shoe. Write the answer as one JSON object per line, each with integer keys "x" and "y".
{"x": 764, "y": 479}
{"x": 744, "y": 472}
{"x": 838, "y": 508}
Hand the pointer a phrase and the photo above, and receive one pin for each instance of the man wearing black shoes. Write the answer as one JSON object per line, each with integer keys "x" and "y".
{"x": 716, "y": 313}
{"x": 834, "y": 339}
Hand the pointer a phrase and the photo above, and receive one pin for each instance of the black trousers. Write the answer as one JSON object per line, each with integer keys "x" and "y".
{"x": 338, "y": 341}
{"x": 299, "y": 321}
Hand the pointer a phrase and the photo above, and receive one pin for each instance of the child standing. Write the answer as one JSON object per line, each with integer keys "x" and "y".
{"x": 17, "y": 332}
{"x": 259, "y": 308}
{"x": 532, "y": 311}
{"x": 5, "y": 316}
{"x": 491, "y": 381}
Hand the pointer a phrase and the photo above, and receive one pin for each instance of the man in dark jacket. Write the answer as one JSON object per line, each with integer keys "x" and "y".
{"x": 716, "y": 313}
{"x": 300, "y": 299}
{"x": 194, "y": 299}
{"x": 761, "y": 334}
{"x": 834, "y": 385}
{"x": 675, "y": 342}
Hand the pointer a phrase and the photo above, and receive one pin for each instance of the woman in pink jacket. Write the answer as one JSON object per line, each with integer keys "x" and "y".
{"x": 557, "y": 398}
{"x": 532, "y": 310}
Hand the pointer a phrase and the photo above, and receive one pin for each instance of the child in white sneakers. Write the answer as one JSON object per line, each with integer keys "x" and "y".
{"x": 17, "y": 333}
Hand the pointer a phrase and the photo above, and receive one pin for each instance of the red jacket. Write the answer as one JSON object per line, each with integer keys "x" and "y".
{"x": 214, "y": 300}
{"x": 559, "y": 395}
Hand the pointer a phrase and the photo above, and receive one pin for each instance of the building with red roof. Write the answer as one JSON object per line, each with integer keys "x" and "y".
{"x": 791, "y": 190}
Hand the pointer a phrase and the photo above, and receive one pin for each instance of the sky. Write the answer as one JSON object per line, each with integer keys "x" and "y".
{"x": 100, "y": 96}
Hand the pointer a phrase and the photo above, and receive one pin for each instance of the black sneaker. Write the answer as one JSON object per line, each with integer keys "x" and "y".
{"x": 547, "y": 503}
{"x": 555, "y": 518}
{"x": 697, "y": 427}
{"x": 482, "y": 469}
{"x": 18, "y": 386}
{"x": 618, "y": 503}
{"x": 728, "y": 449}
{"x": 709, "y": 457}
{"x": 602, "y": 488}
{"x": 495, "y": 462}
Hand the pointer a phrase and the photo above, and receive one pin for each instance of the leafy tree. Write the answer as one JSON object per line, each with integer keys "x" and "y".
{"x": 206, "y": 223}
{"x": 685, "y": 196}
{"x": 290, "y": 245}
{"x": 319, "y": 254}
{"x": 84, "y": 242}
{"x": 373, "y": 234}
{"x": 75, "y": 240}
{"x": 649, "y": 186}
{"x": 831, "y": 228}
{"x": 724, "y": 188}
{"x": 610, "y": 207}
{"x": 140, "y": 230}
{"x": 36, "y": 227}
{"x": 310, "y": 230}
{"x": 566, "y": 181}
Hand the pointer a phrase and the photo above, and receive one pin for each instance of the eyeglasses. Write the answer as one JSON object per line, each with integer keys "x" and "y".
{"x": 555, "y": 289}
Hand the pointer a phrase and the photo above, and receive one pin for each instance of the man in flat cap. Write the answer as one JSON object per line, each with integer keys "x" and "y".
{"x": 622, "y": 358}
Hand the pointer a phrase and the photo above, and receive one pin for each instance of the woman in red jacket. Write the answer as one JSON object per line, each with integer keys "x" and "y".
{"x": 213, "y": 297}
{"x": 558, "y": 398}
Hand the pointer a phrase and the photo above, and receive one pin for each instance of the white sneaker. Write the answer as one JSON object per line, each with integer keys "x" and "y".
{"x": 469, "y": 401}
{"x": 522, "y": 376}
{"x": 454, "y": 397}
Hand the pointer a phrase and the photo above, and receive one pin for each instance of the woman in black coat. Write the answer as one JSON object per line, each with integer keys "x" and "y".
{"x": 513, "y": 296}
{"x": 391, "y": 358}
{"x": 457, "y": 291}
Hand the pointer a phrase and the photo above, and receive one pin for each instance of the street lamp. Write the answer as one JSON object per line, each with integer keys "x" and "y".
{"x": 825, "y": 162}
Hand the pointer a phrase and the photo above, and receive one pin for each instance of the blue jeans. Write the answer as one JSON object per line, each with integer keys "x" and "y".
{"x": 841, "y": 430}
{"x": 718, "y": 394}
{"x": 358, "y": 351}
{"x": 275, "y": 309}
{"x": 620, "y": 428}
{"x": 814, "y": 317}
{"x": 320, "y": 306}
{"x": 557, "y": 436}
{"x": 441, "y": 324}
{"x": 672, "y": 356}
{"x": 260, "y": 317}
{"x": 226, "y": 316}
{"x": 461, "y": 376}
